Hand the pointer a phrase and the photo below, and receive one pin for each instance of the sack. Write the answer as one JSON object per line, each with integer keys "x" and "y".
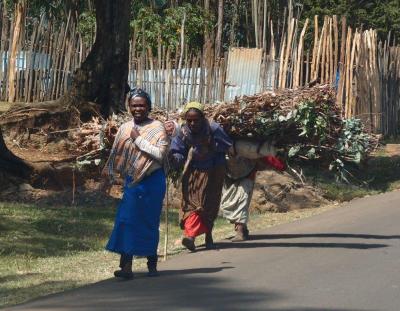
{"x": 252, "y": 149}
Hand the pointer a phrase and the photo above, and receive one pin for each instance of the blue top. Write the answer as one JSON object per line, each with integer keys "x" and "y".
{"x": 209, "y": 146}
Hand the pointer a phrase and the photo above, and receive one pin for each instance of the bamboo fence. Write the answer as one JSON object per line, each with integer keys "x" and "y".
{"x": 38, "y": 65}
{"x": 365, "y": 72}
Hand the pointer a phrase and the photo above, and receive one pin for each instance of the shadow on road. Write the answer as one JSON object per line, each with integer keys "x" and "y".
{"x": 191, "y": 289}
{"x": 177, "y": 290}
{"x": 193, "y": 271}
{"x": 323, "y": 235}
{"x": 250, "y": 244}
{"x": 255, "y": 241}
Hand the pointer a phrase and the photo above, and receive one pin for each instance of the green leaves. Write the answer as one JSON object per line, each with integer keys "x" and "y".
{"x": 353, "y": 142}
{"x": 381, "y": 15}
{"x": 346, "y": 142}
{"x": 311, "y": 154}
{"x": 293, "y": 151}
{"x": 87, "y": 26}
{"x": 312, "y": 121}
{"x": 152, "y": 25}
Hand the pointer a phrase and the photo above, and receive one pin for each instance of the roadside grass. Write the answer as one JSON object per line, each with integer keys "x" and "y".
{"x": 45, "y": 250}
{"x": 380, "y": 173}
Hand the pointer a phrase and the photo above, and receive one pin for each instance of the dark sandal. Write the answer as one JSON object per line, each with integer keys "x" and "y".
{"x": 189, "y": 243}
{"x": 123, "y": 274}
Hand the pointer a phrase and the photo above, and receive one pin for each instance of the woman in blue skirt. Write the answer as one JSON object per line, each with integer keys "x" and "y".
{"x": 137, "y": 156}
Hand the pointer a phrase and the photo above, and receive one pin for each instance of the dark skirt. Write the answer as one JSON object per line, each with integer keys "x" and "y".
{"x": 201, "y": 195}
{"x": 136, "y": 228}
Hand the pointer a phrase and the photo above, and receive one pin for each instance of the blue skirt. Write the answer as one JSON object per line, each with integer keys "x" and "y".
{"x": 136, "y": 228}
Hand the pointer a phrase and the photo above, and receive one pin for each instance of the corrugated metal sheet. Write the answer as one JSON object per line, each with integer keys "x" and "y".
{"x": 243, "y": 76}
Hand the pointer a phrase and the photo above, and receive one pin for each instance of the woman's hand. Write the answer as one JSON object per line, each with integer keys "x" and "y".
{"x": 170, "y": 127}
{"x": 134, "y": 134}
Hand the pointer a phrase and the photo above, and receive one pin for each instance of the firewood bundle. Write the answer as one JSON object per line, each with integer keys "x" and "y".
{"x": 87, "y": 137}
{"x": 276, "y": 116}
{"x": 304, "y": 124}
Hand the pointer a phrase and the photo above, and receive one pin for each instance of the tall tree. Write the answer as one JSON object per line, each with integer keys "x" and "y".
{"x": 103, "y": 75}
{"x": 219, "y": 28}
{"x": 101, "y": 79}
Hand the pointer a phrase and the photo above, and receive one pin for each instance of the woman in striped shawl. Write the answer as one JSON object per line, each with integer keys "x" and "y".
{"x": 137, "y": 156}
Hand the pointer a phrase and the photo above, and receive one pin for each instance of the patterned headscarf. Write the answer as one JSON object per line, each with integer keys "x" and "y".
{"x": 194, "y": 105}
{"x": 138, "y": 92}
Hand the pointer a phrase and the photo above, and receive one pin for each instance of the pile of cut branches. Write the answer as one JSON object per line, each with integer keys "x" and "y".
{"x": 304, "y": 124}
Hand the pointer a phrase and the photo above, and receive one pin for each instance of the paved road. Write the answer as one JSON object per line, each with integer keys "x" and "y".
{"x": 344, "y": 259}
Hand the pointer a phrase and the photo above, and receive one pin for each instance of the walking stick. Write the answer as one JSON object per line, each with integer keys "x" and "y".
{"x": 166, "y": 211}
{"x": 166, "y": 222}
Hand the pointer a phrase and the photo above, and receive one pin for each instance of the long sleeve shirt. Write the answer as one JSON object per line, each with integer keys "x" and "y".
{"x": 208, "y": 150}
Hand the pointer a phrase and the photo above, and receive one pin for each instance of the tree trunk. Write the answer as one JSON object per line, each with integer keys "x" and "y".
{"x": 4, "y": 46}
{"x": 219, "y": 29}
{"x": 103, "y": 75}
{"x": 207, "y": 10}
{"x": 12, "y": 164}
{"x": 235, "y": 18}
{"x": 101, "y": 79}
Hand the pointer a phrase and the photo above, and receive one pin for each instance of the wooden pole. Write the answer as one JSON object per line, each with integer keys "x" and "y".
{"x": 348, "y": 69}
{"x": 166, "y": 237}
{"x": 287, "y": 53}
{"x": 19, "y": 24}
{"x": 315, "y": 48}
{"x": 299, "y": 61}
{"x": 336, "y": 49}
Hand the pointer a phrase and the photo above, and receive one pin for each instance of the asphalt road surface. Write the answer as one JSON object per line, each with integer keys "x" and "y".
{"x": 344, "y": 259}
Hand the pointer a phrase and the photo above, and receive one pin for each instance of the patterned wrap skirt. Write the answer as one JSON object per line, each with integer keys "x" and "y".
{"x": 201, "y": 196}
{"x": 136, "y": 228}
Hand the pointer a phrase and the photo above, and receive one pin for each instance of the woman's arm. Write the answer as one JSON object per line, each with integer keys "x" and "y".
{"x": 178, "y": 152}
{"x": 156, "y": 152}
{"x": 222, "y": 142}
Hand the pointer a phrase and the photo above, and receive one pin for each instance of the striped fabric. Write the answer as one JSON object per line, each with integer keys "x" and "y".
{"x": 126, "y": 159}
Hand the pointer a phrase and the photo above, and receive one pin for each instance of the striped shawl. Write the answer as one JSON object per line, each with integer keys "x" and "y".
{"x": 126, "y": 159}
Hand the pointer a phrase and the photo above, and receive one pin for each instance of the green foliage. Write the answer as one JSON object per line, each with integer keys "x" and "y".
{"x": 384, "y": 16}
{"x": 352, "y": 146}
{"x": 353, "y": 142}
{"x": 151, "y": 26}
{"x": 87, "y": 26}
{"x": 321, "y": 135}
{"x": 160, "y": 20}
{"x": 379, "y": 173}
{"x": 313, "y": 122}
{"x": 147, "y": 27}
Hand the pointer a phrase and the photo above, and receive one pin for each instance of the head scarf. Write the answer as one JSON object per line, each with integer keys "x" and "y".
{"x": 194, "y": 105}
{"x": 138, "y": 92}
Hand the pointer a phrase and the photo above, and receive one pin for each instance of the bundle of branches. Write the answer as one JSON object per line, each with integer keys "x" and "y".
{"x": 304, "y": 123}
{"x": 96, "y": 135}
{"x": 87, "y": 136}
{"x": 93, "y": 140}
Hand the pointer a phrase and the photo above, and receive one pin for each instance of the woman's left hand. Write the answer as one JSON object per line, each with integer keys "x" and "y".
{"x": 134, "y": 133}
{"x": 170, "y": 127}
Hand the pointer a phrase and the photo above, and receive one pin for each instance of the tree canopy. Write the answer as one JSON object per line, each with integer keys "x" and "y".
{"x": 154, "y": 20}
{"x": 384, "y": 16}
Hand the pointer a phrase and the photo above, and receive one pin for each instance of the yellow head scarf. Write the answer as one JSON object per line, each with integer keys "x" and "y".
{"x": 195, "y": 105}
